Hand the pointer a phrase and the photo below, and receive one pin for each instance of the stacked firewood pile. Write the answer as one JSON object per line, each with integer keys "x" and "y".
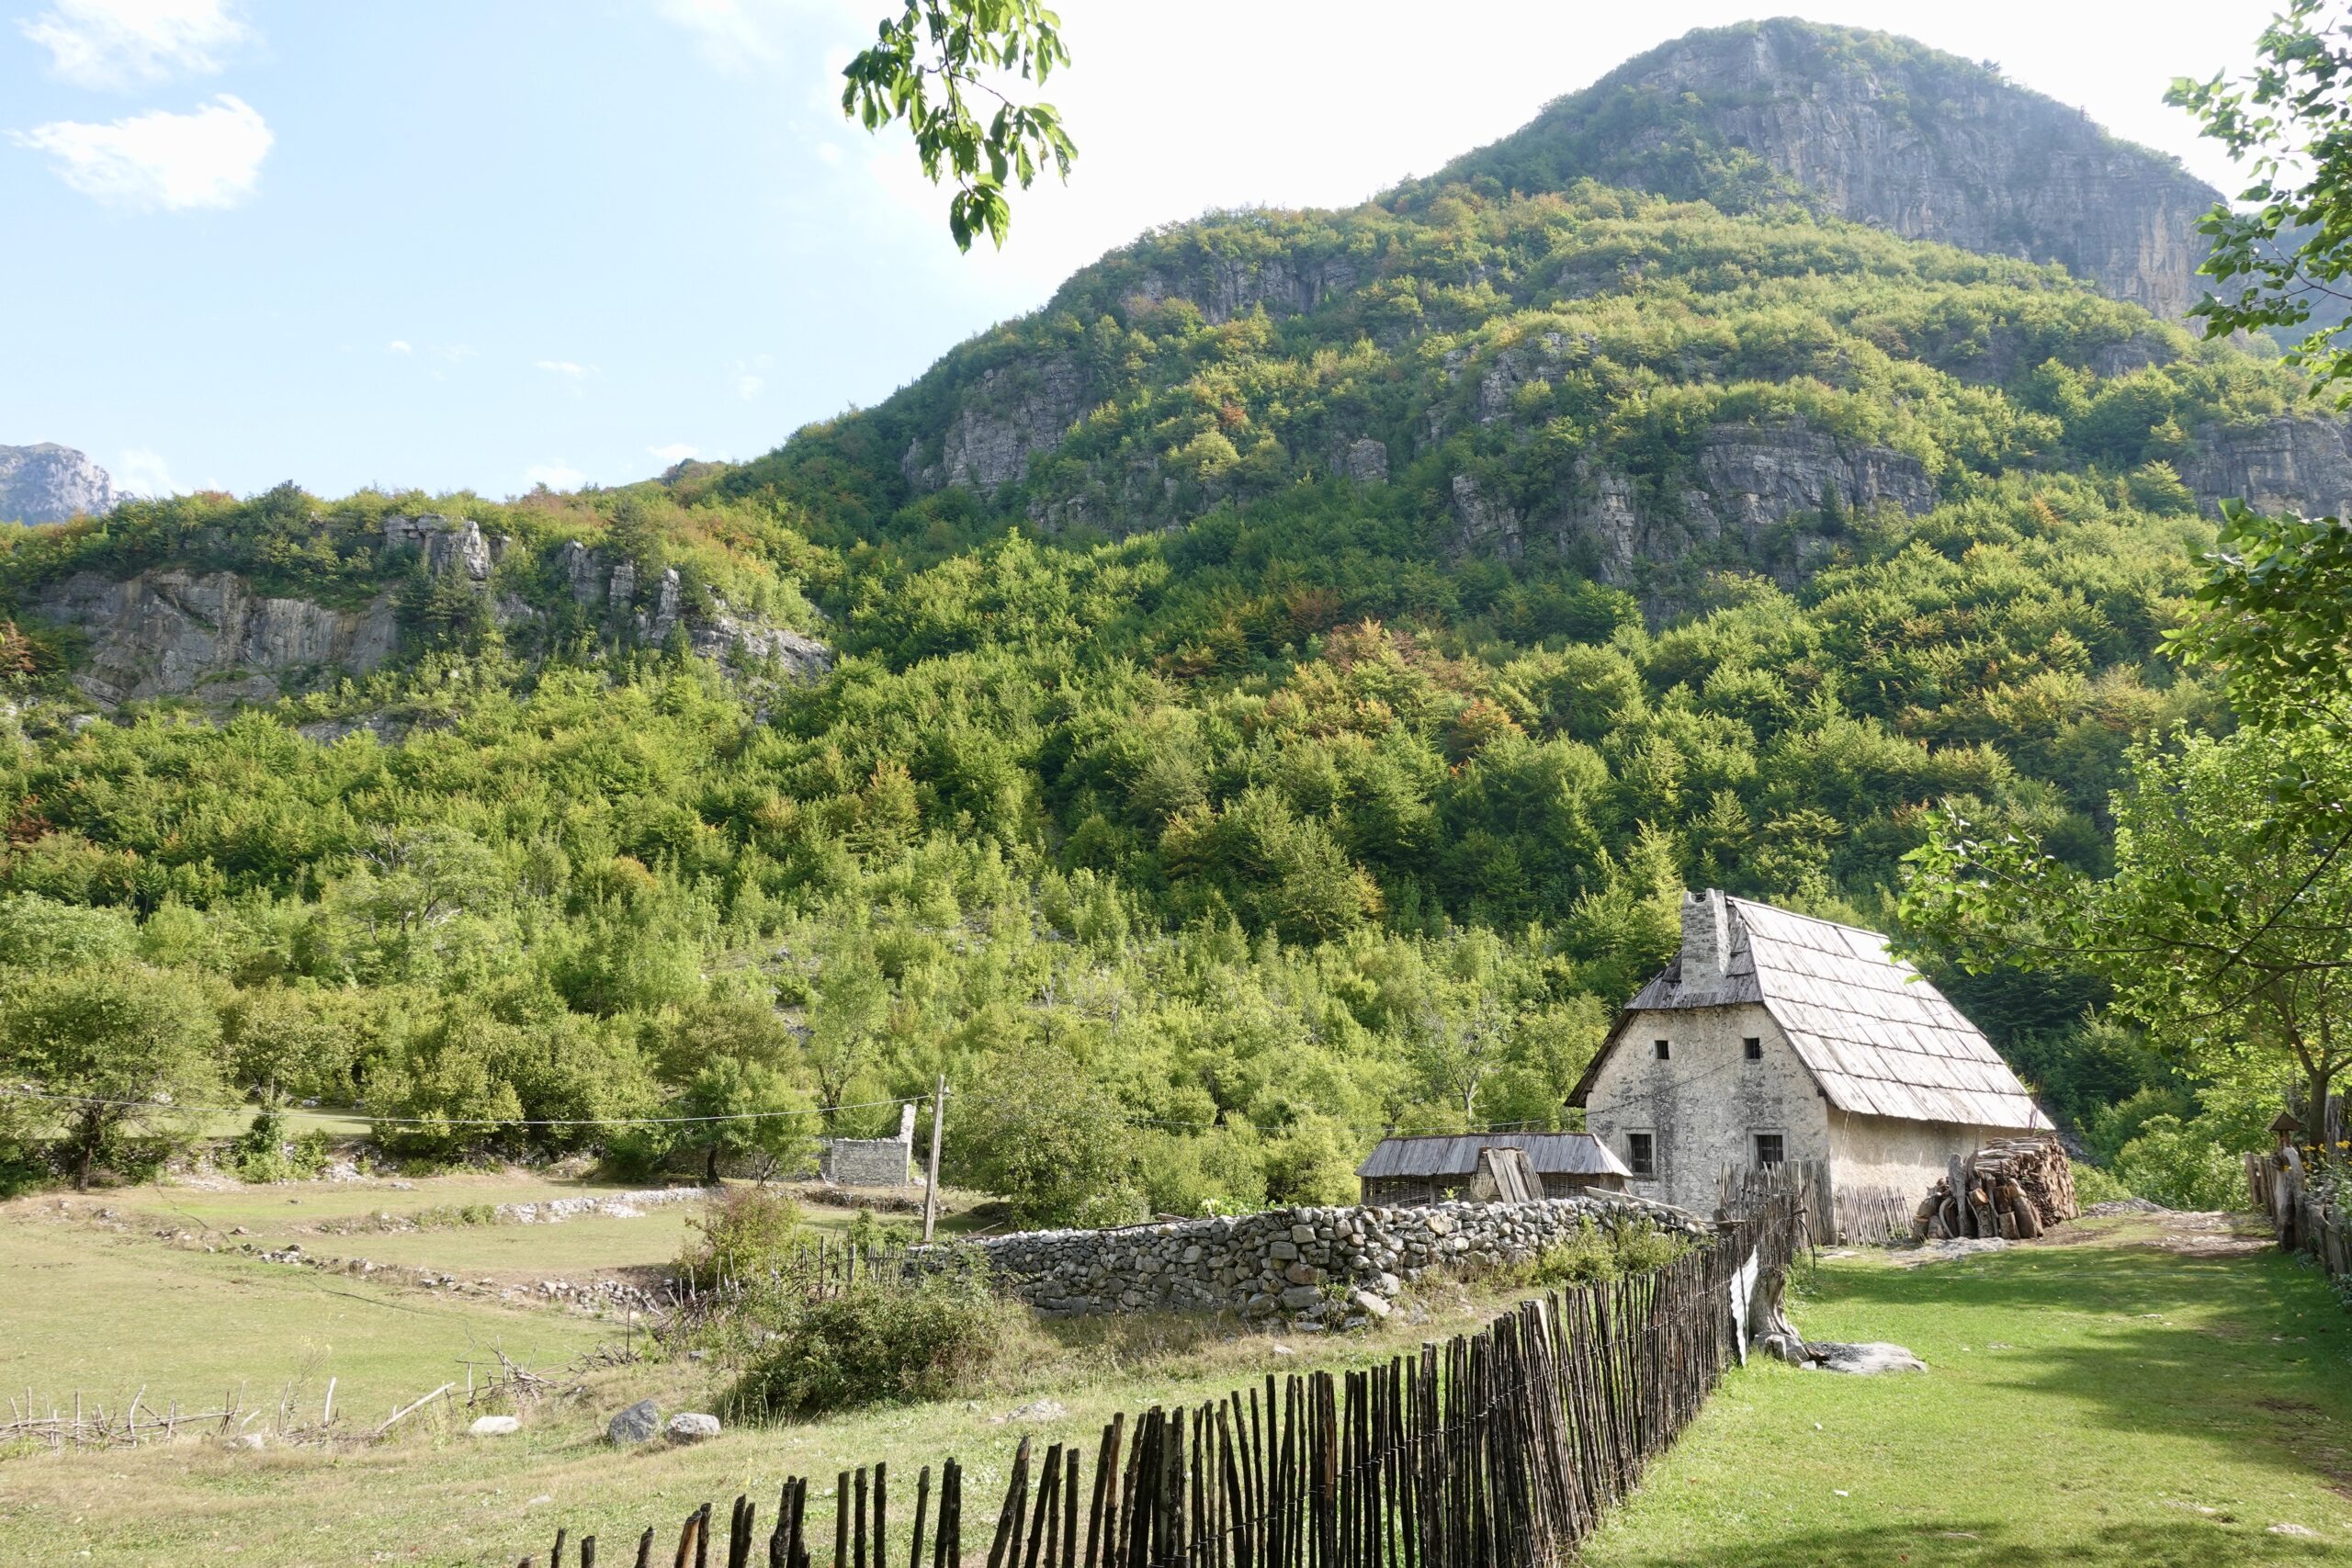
{"x": 2012, "y": 1188}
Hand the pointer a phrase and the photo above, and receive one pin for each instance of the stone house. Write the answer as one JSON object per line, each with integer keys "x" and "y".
{"x": 1777, "y": 1037}
{"x": 871, "y": 1162}
{"x": 1404, "y": 1172}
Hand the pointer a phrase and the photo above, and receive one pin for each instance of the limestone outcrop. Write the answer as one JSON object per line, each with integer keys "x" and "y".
{"x": 1224, "y": 287}
{"x": 1011, "y": 413}
{"x": 173, "y": 632}
{"x": 1742, "y": 481}
{"x": 49, "y": 483}
{"x": 448, "y": 544}
{"x": 1878, "y": 129}
{"x": 2294, "y": 463}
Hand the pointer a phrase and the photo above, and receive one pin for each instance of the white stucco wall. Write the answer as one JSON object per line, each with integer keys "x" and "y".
{"x": 1904, "y": 1156}
{"x": 1706, "y": 1102}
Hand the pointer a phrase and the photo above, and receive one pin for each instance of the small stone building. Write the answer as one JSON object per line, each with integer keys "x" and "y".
{"x": 871, "y": 1162}
{"x": 1777, "y": 1037}
{"x": 1403, "y": 1172}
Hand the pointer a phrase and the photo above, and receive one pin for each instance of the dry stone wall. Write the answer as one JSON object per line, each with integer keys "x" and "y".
{"x": 1295, "y": 1262}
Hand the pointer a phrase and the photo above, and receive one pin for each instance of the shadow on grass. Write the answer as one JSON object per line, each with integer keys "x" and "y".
{"x": 2250, "y": 1351}
{"x": 2192, "y": 1543}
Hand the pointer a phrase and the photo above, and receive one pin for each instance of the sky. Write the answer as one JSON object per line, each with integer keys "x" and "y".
{"x": 483, "y": 244}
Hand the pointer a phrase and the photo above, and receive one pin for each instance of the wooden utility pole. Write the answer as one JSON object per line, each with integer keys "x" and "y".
{"x": 930, "y": 1179}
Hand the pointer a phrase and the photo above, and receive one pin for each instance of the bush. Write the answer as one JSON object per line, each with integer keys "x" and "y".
{"x": 266, "y": 1154}
{"x": 1049, "y": 1141}
{"x": 2180, "y": 1165}
{"x": 868, "y": 1229}
{"x": 1594, "y": 1254}
{"x": 2095, "y": 1184}
{"x": 879, "y": 1341}
{"x": 744, "y": 1233}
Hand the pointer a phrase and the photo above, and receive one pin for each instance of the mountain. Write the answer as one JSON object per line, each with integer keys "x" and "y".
{"x": 1279, "y": 689}
{"x": 49, "y": 483}
{"x": 1492, "y": 342}
{"x": 1878, "y": 129}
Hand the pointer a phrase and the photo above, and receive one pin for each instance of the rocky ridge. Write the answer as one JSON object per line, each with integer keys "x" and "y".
{"x": 172, "y": 632}
{"x": 49, "y": 483}
{"x": 211, "y": 635}
{"x": 1747, "y": 482}
{"x": 1880, "y": 130}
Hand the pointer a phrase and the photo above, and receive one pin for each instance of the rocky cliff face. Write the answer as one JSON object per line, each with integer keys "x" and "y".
{"x": 2296, "y": 463}
{"x": 49, "y": 483}
{"x": 1744, "y": 482}
{"x": 741, "y": 644}
{"x": 1878, "y": 129}
{"x": 175, "y": 633}
{"x": 1009, "y": 415}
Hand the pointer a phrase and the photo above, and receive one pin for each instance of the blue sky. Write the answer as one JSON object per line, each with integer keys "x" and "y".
{"x": 478, "y": 245}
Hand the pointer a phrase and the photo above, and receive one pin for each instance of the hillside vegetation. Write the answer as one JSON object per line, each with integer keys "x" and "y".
{"x": 1283, "y": 688}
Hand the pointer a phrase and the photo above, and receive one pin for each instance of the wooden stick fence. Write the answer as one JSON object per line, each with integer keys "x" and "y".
{"x": 1856, "y": 1216}
{"x": 1501, "y": 1446}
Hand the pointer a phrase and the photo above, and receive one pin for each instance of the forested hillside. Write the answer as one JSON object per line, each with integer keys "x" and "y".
{"x": 1276, "y": 693}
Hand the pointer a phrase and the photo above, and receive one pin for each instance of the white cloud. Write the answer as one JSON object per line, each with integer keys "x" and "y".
{"x": 828, "y": 154}
{"x": 566, "y": 368}
{"x": 555, "y": 476}
{"x": 676, "y": 452}
{"x": 129, "y": 44}
{"x": 142, "y": 472}
{"x": 748, "y": 386}
{"x": 159, "y": 161}
{"x": 398, "y": 346}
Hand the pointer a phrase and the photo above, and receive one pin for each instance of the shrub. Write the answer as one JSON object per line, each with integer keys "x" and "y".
{"x": 879, "y": 1341}
{"x": 2180, "y": 1165}
{"x": 869, "y": 1229}
{"x": 265, "y": 1152}
{"x": 2095, "y": 1184}
{"x": 1593, "y": 1254}
{"x": 744, "y": 1233}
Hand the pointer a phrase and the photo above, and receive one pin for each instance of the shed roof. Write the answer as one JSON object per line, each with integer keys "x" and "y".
{"x": 1876, "y": 1036}
{"x": 1450, "y": 1154}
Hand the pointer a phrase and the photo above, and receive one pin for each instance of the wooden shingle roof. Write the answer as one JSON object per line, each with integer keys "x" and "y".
{"x": 1876, "y": 1036}
{"x": 1552, "y": 1154}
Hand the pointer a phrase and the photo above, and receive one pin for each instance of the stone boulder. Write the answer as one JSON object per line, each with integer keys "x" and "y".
{"x": 494, "y": 1427}
{"x": 692, "y": 1426}
{"x": 1865, "y": 1359}
{"x": 641, "y": 1423}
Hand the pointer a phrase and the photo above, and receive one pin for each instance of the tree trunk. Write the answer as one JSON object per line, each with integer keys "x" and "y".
{"x": 711, "y": 1165}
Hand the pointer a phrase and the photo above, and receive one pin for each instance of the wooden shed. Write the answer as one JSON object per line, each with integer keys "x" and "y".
{"x": 1403, "y": 1172}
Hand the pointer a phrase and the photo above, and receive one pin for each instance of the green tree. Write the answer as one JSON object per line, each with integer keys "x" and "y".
{"x": 931, "y": 64}
{"x": 1046, "y": 1138}
{"x": 742, "y": 1108}
{"x": 2225, "y": 927}
{"x": 118, "y": 1054}
{"x": 2285, "y": 250}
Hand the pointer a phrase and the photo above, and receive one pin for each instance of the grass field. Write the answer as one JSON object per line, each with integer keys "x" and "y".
{"x": 2109, "y": 1399}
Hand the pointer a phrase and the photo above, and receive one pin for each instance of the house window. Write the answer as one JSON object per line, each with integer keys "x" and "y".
{"x": 1641, "y": 1153}
{"x": 1754, "y": 1047}
{"x": 1768, "y": 1148}
{"x": 1663, "y": 1052}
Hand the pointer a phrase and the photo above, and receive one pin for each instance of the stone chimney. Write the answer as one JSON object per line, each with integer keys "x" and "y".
{"x": 1706, "y": 937}
{"x": 906, "y": 1123}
